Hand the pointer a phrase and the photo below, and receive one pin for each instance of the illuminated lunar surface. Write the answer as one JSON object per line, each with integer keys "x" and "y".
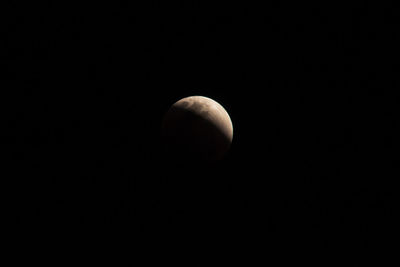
{"x": 197, "y": 128}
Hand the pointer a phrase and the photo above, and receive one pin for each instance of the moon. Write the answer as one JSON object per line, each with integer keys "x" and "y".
{"x": 197, "y": 128}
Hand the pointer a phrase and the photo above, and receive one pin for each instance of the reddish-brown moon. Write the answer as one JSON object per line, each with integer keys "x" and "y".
{"x": 197, "y": 128}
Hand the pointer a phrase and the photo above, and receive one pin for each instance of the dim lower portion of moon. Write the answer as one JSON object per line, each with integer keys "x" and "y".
{"x": 197, "y": 128}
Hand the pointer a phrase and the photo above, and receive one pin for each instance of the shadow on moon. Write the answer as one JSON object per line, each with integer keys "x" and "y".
{"x": 190, "y": 138}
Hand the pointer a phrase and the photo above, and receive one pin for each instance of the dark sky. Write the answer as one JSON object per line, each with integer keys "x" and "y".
{"x": 310, "y": 90}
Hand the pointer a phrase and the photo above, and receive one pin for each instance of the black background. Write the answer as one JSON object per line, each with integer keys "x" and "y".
{"x": 311, "y": 94}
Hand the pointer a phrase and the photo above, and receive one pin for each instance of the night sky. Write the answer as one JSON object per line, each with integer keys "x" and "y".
{"x": 311, "y": 93}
